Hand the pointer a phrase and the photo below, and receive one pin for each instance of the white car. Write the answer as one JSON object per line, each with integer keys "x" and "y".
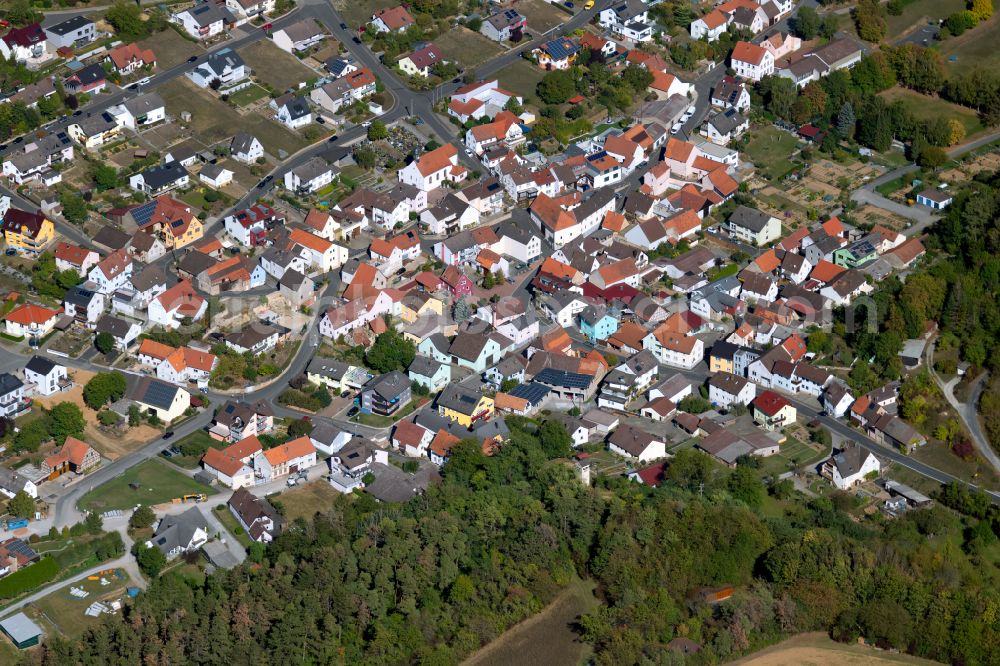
{"x": 676, "y": 128}
{"x": 366, "y": 124}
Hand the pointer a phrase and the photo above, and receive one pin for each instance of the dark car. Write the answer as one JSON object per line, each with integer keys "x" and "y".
{"x": 77, "y": 113}
{"x": 192, "y": 58}
{"x": 168, "y": 434}
{"x": 333, "y": 138}
{"x": 345, "y": 394}
{"x": 356, "y": 40}
{"x": 19, "y": 139}
{"x": 3, "y": 146}
{"x": 353, "y": 410}
{"x": 569, "y": 5}
{"x": 320, "y": 120}
{"x": 343, "y": 26}
{"x": 134, "y": 86}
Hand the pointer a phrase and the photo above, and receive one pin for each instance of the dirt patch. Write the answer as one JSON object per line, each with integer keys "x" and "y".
{"x": 873, "y": 215}
{"x": 111, "y": 446}
{"x": 546, "y": 639}
{"x": 274, "y": 67}
{"x": 817, "y": 649}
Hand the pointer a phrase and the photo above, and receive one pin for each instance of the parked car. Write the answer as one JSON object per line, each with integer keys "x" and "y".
{"x": 345, "y": 394}
{"x": 353, "y": 410}
{"x": 192, "y": 58}
{"x": 568, "y": 5}
{"x": 343, "y": 26}
{"x": 168, "y": 434}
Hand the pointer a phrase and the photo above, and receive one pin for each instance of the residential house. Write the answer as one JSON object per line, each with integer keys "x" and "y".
{"x": 299, "y": 36}
{"x": 202, "y": 21}
{"x": 837, "y": 399}
{"x": 430, "y": 373}
{"x": 500, "y": 27}
{"x": 31, "y": 321}
{"x": 292, "y": 457}
{"x": 12, "y": 401}
{"x": 723, "y": 127}
{"x": 773, "y": 412}
{"x": 710, "y": 26}
{"x": 726, "y": 390}
{"x": 422, "y": 61}
{"x": 432, "y": 169}
{"x": 83, "y": 304}
{"x": 29, "y": 234}
{"x": 731, "y": 93}
{"x": 292, "y": 111}
{"x": 256, "y": 516}
{"x": 751, "y": 61}
{"x": 123, "y": 331}
{"x": 90, "y": 80}
{"x": 309, "y": 177}
{"x": 166, "y": 401}
{"x": 634, "y": 443}
{"x": 324, "y": 255}
{"x": 354, "y": 85}
{"x": 26, "y": 44}
{"x": 934, "y": 199}
{"x": 73, "y": 456}
{"x": 74, "y": 32}
{"x": 178, "y": 302}
{"x": 245, "y": 10}
{"x": 255, "y": 338}
{"x": 45, "y": 377}
{"x": 392, "y": 19}
{"x": 386, "y": 394}
{"x": 160, "y": 178}
{"x": 181, "y": 533}
{"x": 558, "y": 53}
{"x": 753, "y": 226}
{"x": 249, "y": 227}
{"x": 850, "y": 466}
{"x": 464, "y": 405}
{"x": 129, "y": 58}
{"x": 246, "y": 148}
{"x": 141, "y": 111}
{"x": 235, "y": 421}
{"x": 111, "y": 273}
{"x": 628, "y": 18}
{"x": 225, "y": 65}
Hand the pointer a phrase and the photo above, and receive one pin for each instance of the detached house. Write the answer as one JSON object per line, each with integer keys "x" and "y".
{"x": 634, "y": 443}
{"x": 298, "y": 36}
{"x": 111, "y": 273}
{"x": 160, "y": 178}
{"x": 710, "y": 26}
{"x": 753, "y": 226}
{"x": 432, "y": 169}
{"x": 392, "y": 19}
{"x": 129, "y": 58}
{"x": 291, "y": 111}
{"x": 726, "y": 389}
{"x": 179, "y": 302}
{"x": 309, "y": 177}
{"x": 235, "y": 421}
{"x": 751, "y": 61}
{"x": 73, "y": 32}
{"x": 246, "y": 148}
{"x": 421, "y": 62}
{"x": 202, "y": 21}
{"x": 501, "y": 26}
{"x": 558, "y": 53}
{"x": 850, "y": 466}
{"x": 29, "y": 234}
{"x": 225, "y": 65}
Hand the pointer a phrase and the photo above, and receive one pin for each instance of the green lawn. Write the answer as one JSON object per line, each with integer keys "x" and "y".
{"x": 228, "y": 521}
{"x": 919, "y": 12}
{"x": 770, "y": 149}
{"x": 791, "y": 452}
{"x": 974, "y": 48}
{"x": 925, "y": 107}
{"x": 885, "y": 189}
{"x": 521, "y": 77}
{"x": 198, "y": 439}
{"x": 248, "y": 95}
{"x": 157, "y": 484}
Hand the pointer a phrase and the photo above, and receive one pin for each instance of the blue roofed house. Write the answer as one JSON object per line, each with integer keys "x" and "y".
{"x": 435, "y": 346}
{"x": 597, "y": 323}
{"x": 433, "y": 374}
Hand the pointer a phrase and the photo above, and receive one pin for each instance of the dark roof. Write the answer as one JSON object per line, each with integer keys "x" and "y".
{"x": 89, "y": 74}
{"x": 154, "y": 392}
{"x": 150, "y": 276}
{"x": 69, "y": 25}
{"x": 390, "y": 385}
{"x": 458, "y": 398}
{"x": 9, "y": 383}
{"x": 39, "y": 365}
{"x": 15, "y": 218}
{"x": 113, "y": 325}
{"x": 749, "y": 218}
{"x": 161, "y": 175}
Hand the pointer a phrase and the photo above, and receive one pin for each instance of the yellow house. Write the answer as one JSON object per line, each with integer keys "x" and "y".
{"x": 416, "y": 304}
{"x": 28, "y": 233}
{"x": 722, "y": 357}
{"x": 464, "y": 406}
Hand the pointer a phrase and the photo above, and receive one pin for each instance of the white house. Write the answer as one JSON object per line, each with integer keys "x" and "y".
{"x": 432, "y": 169}
{"x": 753, "y": 226}
{"x": 850, "y": 466}
{"x": 751, "y": 61}
{"x": 201, "y": 21}
{"x": 246, "y": 148}
{"x": 215, "y": 175}
{"x": 291, "y": 457}
{"x": 723, "y": 127}
{"x": 309, "y": 177}
{"x": 140, "y": 111}
{"x": 637, "y": 444}
{"x": 225, "y": 65}
{"x": 175, "y": 304}
{"x": 46, "y": 376}
{"x": 245, "y": 10}
{"x": 710, "y": 26}
{"x": 298, "y": 36}
{"x": 111, "y": 273}
{"x": 291, "y": 111}
{"x": 726, "y": 389}
{"x": 422, "y": 61}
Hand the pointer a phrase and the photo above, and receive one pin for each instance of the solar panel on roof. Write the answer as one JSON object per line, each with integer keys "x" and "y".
{"x": 159, "y": 394}
{"x": 144, "y": 213}
{"x": 533, "y": 392}
{"x": 562, "y": 378}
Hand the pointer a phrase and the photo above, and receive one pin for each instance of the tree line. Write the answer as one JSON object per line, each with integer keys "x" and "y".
{"x": 433, "y": 579}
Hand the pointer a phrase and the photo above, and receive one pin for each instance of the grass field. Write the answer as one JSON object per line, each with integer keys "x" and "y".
{"x": 157, "y": 484}
{"x": 305, "y": 501}
{"x": 248, "y": 95}
{"x": 275, "y": 67}
{"x": 818, "y": 649}
{"x": 542, "y": 15}
{"x": 521, "y": 77}
{"x": 213, "y": 121}
{"x": 65, "y": 611}
{"x": 937, "y": 454}
{"x": 770, "y": 149}
{"x": 203, "y": 440}
{"x": 467, "y": 48}
{"x": 546, "y": 638}
{"x": 974, "y": 48}
{"x": 925, "y": 107}
{"x": 792, "y": 451}
{"x": 170, "y": 49}
{"x": 917, "y": 13}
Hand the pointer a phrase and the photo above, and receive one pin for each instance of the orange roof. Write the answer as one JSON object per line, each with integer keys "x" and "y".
{"x": 551, "y": 214}
{"x": 792, "y": 240}
{"x": 364, "y": 274}
{"x": 558, "y": 269}
{"x": 31, "y": 314}
{"x": 181, "y": 297}
{"x": 443, "y": 442}
{"x": 714, "y": 19}
{"x": 723, "y": 182}
{"x": 618, "y": 271}
{"x": 825, "y": 271}
{"x": 113, "y": 264}
{"x": 317, "y": 219}
{"x": 677, "y": 150}
{"x": 488, "y": 258}
{"x": 176, "y": 359}
{"x": 311, "y": 241}
{"x": 125, "y": 54}
{"x": 437, "y": 159}
{"x": 745, "y": 331}
{"x": 381, "y": 247}
{"x": 297, "y": 448}
{"x": 683, "y": 222}
{"x": 73, "y": 451}
{"x": 209, "y": 246}
{"x": 73, "y": 254}
{"x": 556, "y": 340}
{"x": 395, "y": 17}
{"x": 507, "y": 401}
{"x": 155, "y": 349}
{"x": 795, "y": 346}
{"x": 245, "y": 448}
{"x": 217, "y": 459}
{"x": 590, "y": 363}
{"x": 629, "y": 334}
{"x": 768, "y": 262}
{"x": 168, "y": 212}
{"x": 833, "y": 227}
{"x": 199, "y": 360}
{"x": 621, "y": 145}
{"x": 614, "y": 221}
{"x": 705, "y": 164}
{"x": 861, "y": 404}
{"x": 662, "y": 80}
{"x": 747, "y": 52}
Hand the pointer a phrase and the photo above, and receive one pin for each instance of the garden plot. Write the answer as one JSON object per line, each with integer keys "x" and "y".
{"x": 869, "y": 214}
{"x": 843, "y": 176}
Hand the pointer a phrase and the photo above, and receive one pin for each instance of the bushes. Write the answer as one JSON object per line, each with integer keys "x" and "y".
{"x": 312, "y": 400}
{"x": 29, "y": 578}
